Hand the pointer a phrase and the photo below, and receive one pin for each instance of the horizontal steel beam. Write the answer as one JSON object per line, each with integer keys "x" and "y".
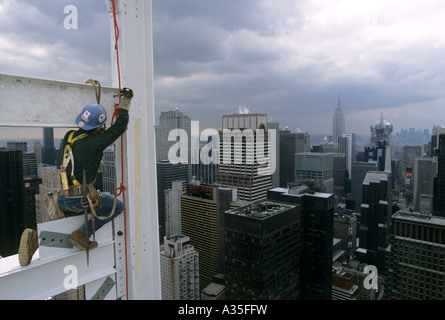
{"x": 32, "y": 102}
{"x": 54, "y": 270}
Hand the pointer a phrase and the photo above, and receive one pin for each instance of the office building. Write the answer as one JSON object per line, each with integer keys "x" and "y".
{"x": 108, "y": 169}
{"x": 347, "y": 145}
{"x": 202, "y": 220}
{"x": 381, "y": 131}
{"x": 317, "y": 221}
{"x": 179, "y": 269}
{"x": 291, "y": 143}
{"x": 246, "y": 157}
{"x": 206, "y": 173}
{"x": 359, "y": 171}
{"x": 262, "y": 251}
{"x": 12, "y": 218}
{"x": 31, "y": 190}
{"x": 416, "y": 268}
{"x": 439, "y": 179}
{"x": 173, "y": 208}
{"x": 345, "y": 228}
{"x": 338, "y": 123}
{"x": 50, "y": 182}
{"x": 315, "y": 166}
{"x": 273, "y": 125}
{"x": 49, "y": 153}
{"x": 167, "y": 173}
{"x": 168, "y": 121}
{"x": 375, "y": 220}
{"x": 339, "y": 175}
{"x": 423, "y": 174}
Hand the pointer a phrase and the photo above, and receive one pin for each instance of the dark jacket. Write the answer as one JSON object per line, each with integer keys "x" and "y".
{"x": 88, "y": 152}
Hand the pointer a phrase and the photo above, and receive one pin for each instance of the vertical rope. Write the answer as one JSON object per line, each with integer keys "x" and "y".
{"x": 115, "y": 114}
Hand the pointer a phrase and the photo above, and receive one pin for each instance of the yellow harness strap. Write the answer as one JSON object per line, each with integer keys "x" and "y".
{"x": 68, "y": 154}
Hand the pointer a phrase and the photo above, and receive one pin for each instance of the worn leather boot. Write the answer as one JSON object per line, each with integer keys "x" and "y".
{"x": 29, "y": 243}
{"x": 77, "y": 239}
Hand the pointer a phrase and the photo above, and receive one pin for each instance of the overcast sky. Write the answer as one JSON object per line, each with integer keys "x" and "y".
{"x": 287, "y": 58}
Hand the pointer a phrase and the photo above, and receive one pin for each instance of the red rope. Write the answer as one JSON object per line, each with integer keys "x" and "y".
{"x": 115, "y": 115}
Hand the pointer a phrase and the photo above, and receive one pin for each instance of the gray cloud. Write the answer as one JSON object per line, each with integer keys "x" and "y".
{"x": 289, "y": 59}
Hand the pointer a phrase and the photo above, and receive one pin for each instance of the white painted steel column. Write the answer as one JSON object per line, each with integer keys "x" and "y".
{"x": 135, "y": 47}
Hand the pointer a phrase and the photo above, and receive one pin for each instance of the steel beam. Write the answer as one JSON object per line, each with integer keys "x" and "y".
{"x": 135, "y": 47}
{"x": 32, "y": 102}
{"x": 53, "y": 269}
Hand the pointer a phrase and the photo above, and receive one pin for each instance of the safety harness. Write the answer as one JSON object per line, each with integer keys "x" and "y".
{"x": 93, "y": 195}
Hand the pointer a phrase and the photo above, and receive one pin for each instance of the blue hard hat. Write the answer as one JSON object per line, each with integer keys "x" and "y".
{"x": 91, "y": 117}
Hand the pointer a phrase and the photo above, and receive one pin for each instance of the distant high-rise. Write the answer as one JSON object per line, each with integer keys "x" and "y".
{"x": 263, "y": 247}
{"x": 240, "y": 165}
{"x": 375, "y": 221}
{"x": 108, "y": 170}
{"x": 381, "y": 131}
{"x": 423, "y": 171}
{"x": 48, "y": 150}
{"x": 173, "y": 208}
{"x": 416, "y": 268}
{"x": 338, "y": 123}
{"x": 276, "y": 174}
{"x": 439, "y": 179}
{"x": 317, "y": 221}
{"x": 358, "y": 173}
{"x": 345, "y": 228}
{"x": 169, "y": 120}
{"x": 347, "y": 145}
{"x": 202, "y": 213}
{"x": 315, "y": 166}
{"x": 12, "y": 219}
{"x": 166, "y": 174}
{"x": 291, "y": 143}
{"x": 179, "y": 269}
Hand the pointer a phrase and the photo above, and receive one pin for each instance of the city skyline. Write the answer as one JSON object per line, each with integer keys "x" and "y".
{"x": 293, "y": 57}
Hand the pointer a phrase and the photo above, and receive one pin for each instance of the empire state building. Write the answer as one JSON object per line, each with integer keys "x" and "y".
{"x": 338, "y": 123}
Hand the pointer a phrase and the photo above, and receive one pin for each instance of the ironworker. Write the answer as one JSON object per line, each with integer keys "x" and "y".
{"x": 83, "y": 151}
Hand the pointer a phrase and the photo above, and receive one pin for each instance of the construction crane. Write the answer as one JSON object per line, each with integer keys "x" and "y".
{"x": 126, "y": 263}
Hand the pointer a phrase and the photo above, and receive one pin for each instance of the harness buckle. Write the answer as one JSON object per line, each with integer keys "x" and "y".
{"x": 77, "y": 191}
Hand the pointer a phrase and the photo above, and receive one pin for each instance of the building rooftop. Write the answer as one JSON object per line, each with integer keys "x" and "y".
{"x": 261, "y": 209}
{"x": 375, "y": 177}
{"x": 419, "y": 217}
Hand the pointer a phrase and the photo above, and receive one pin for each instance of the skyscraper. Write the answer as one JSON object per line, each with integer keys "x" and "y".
{"x": 179, "y": 269}
{"x": 381, "y": 131}
{"x": 317, "y": 221}
{"x": 424, "y": 171}
{"x": 315, "y": 166}
{"x": 246, "y": 158}
{"x": 291, "y": 143}
{"x": 262, "y": 251}
{"x": 166, "y": 174}
{"x": 173, "y": 208}
{"x": 338, "y": 123}
{"x": 202, "y": 212}
{"x": 11, "y": 201}
{"x": 439, "y": 179}
{"x": 168, "y": 121}
{"x": 416, "y": 269}
{"x": 48, "y": 150}
{"x": 375, "y": 221}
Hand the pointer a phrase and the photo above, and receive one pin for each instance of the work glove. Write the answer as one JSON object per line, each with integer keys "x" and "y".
{"x": 127, "y": 95}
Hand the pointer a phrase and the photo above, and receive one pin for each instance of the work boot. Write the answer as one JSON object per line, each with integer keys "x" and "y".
{"x": 78, "y": 240}
{"x": 28, "y": 245}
